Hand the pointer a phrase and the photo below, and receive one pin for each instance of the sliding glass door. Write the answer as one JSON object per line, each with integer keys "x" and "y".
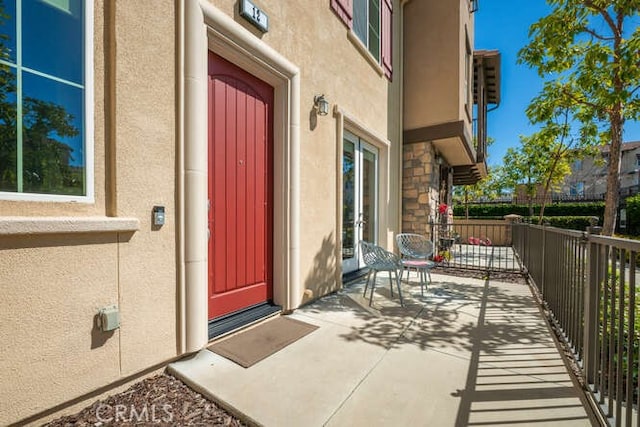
{"x": 359, "y": 198}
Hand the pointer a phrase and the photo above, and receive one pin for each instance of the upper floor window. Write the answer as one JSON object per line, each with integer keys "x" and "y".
{"x": 370, "y": 21}
{"x": 577, "y": 189}
{"x": 366, "y": 24}
{"x": 577, "y": 165}
{"x": 44, "y": 114}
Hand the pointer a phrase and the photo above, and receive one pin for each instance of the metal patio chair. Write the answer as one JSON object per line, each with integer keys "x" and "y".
{"x": 378, "y": 259}
{"x": 416, "y": 251}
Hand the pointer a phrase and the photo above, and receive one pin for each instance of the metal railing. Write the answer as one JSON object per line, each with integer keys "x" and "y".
{"x": 478, "y": 245}
{"x": 588, "y": 284}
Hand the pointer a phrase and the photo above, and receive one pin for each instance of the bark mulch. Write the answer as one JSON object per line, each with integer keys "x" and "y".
{"x": 497, "y": 276}
{"x": 160, "y": 400}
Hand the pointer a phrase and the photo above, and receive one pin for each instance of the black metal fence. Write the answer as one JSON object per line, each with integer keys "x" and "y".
{"x": 588, "y": 283}
{"x": 479, "y": 245}
{"x": 536, "y": 200}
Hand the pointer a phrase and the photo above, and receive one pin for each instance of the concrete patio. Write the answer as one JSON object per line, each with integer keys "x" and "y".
{"x": 470, "y": 352}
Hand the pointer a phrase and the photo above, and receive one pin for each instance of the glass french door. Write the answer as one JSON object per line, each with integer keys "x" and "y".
{"x": 359, "y": 198}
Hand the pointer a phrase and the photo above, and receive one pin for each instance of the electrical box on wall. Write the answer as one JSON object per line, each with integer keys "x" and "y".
{"x": 109, "y": 318}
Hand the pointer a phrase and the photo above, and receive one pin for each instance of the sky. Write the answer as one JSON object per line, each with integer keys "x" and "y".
{"x": 504, "y": 25}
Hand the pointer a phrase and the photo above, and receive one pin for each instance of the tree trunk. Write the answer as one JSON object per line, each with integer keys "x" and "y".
{"x": 616, "y": 121}
{"x": 466, "y": 204}
{"x": 547, "y": 185}
{"x": 613, "y": 173}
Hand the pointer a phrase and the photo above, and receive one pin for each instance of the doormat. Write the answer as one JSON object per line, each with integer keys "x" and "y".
{"x": 249, "y": 347}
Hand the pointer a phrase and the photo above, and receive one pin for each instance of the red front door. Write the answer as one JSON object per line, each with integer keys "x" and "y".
{"x": 240, "y": 188}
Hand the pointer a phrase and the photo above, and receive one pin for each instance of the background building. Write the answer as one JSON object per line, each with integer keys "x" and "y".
{"x": 588, "y": 177}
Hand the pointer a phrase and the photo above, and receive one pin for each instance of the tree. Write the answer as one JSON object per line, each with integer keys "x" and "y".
{"x": 496, "y": 184}
{"x": 556, "y": 148}
{"x": 591, "y": 53}
{"x": 485, "y": 188}
{"x": 520, "y": 168}
{"x": 463, "y": 194}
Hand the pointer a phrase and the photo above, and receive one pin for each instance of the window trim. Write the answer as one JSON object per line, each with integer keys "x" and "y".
{"x": 24, "y": 225}
{"x": 88, "y": 122}
{"x": 353, "y": 38}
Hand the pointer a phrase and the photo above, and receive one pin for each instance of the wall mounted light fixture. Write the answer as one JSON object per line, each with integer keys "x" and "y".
{"x": 321, "y": 105}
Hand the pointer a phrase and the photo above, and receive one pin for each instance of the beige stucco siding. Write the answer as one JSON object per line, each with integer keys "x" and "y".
{"x": 433, "y": 72}
{"x": 53, "y": 285}
{"x": 146, "y": 146}
{"x": 466, "y": 43}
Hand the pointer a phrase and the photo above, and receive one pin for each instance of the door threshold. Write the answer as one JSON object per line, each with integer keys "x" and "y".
{"x": 352, "y": 276}
{"x": 242, "y": 318}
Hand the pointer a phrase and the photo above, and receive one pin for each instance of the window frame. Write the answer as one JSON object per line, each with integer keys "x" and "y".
{"x": 383, "y": 64}
{"x": 577, "y": 189}
{"x": 88, "y": 122}
{"x": 367, "y": 43}
{"x": 578, "y": 165}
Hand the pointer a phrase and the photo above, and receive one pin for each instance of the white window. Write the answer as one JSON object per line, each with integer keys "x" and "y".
{"x": 366, "y": 24}
{"x": 577, "y": 165}
{"x": 577, "y": 189}
{"x": 46, "y": 147}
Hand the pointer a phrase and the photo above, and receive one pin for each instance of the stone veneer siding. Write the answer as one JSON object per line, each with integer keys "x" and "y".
{"x": 419, "y": 187}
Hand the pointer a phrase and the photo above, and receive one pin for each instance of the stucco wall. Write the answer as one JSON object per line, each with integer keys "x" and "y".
{"x": 146, "y": 141}
{"x": 432, "y": 43}
{"x": 466, "y": 34}
{"x": 331, "y": 64}
{"x": 63, "y": 279}
{"x": 54, "y": 284}
{"x": 497, "y": 231}
{"x": 52, "y": 289}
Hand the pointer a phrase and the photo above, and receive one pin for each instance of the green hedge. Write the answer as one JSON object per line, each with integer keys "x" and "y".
{"x": 573, "y": 222}
{"x": 550, "y": 210}
{"x": 633, "y": 215}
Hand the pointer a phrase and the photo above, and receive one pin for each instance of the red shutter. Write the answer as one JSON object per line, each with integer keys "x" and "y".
{"x": 386, "y": 36}
{"x": 344, "y": 9}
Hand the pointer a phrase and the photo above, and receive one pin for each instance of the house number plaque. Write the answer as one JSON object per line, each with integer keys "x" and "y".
{"x": 255, "y": 15}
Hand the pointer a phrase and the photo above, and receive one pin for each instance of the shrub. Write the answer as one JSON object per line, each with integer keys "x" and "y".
{"x": 633, "y": 214}
{"x": 579, "y": 223}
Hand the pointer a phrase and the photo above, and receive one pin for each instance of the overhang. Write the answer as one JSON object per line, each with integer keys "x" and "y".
{"x": 469, "y": 174}
{"x": 451, "y": 140}
{"x": 489, "y": 61}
